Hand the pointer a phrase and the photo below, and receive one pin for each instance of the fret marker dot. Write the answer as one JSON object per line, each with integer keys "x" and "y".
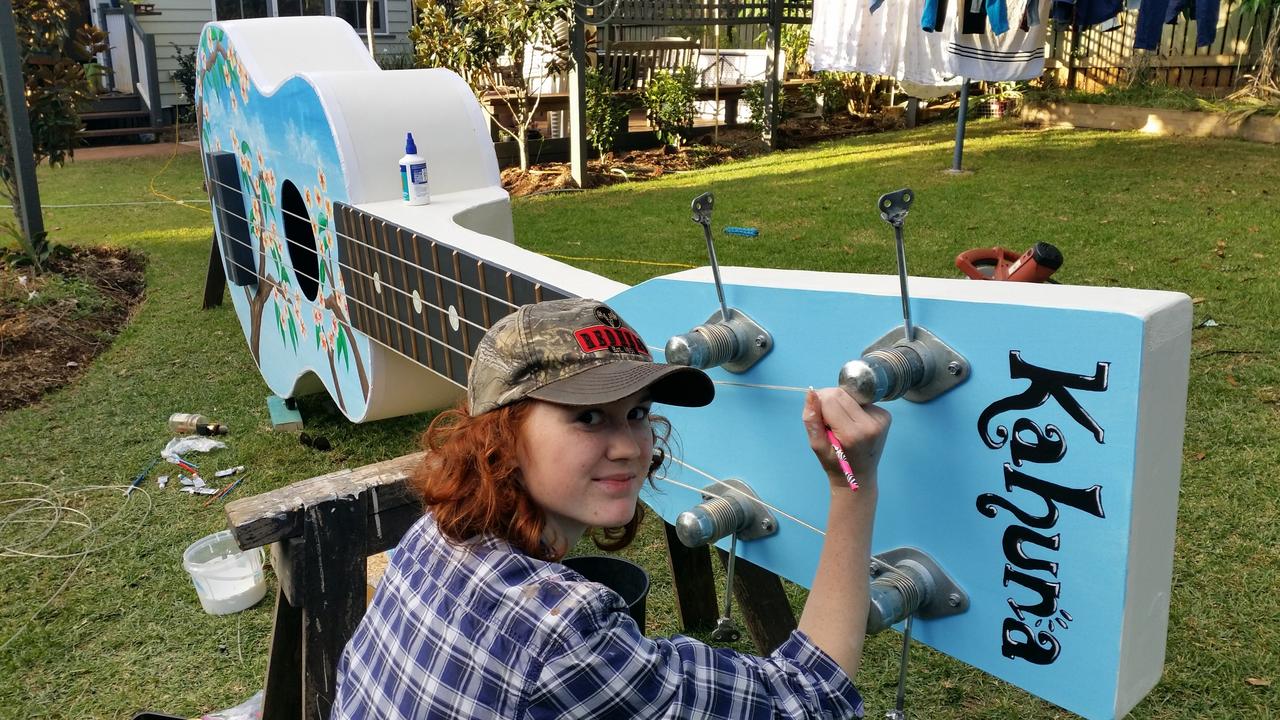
{"x": 453, "y": 318}
{"x": 377, "y": 283}
{"x": 417, "y": 302}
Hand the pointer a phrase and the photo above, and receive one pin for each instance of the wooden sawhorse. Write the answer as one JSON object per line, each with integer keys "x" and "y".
{"x": 322, "y": 530}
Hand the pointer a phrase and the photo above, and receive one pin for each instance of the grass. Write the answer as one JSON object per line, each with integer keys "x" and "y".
{"x": 120, "y": 629}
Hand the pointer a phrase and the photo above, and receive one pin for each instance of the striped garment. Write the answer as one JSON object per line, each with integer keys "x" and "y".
{"x": 483, "y": 631}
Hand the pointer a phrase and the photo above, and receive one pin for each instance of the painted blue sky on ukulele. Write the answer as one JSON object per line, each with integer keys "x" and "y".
{"x": 291, "y": 175}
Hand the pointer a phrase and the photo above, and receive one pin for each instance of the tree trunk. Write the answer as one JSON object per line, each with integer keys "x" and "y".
{"x": 522, "y": 142}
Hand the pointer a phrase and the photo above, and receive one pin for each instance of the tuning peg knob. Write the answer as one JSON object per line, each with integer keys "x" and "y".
{"x": 729, "y": 507}
{"x": 892, "y": 367}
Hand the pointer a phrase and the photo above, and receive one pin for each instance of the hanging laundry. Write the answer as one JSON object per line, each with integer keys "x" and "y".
{"x": 1015, "y": 55}
{"x": 847, "y": 36}
{"x": 973, "y": 17}
{"x": 1085, "y": 12}
{"x": 934, "y": 17}
{"x": 1154, "y": 14}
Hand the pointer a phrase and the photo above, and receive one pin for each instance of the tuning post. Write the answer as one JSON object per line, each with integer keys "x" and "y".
{"x": 729, "y": 509}
{"x": 728, "y": 338}
{"x": 906, "y": 582}
{"x": 908, "y": 361}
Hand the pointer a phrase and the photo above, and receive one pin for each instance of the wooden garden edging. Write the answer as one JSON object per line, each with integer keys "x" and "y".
{"x": 1155, "y": 121}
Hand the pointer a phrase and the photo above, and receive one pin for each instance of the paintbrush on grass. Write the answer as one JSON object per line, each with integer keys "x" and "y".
{"x": 225, "y": 491}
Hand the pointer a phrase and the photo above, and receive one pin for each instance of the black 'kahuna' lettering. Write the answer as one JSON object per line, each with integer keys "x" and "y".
{"x": 1029, "y": 442}
{"x": 1044, "y": 384}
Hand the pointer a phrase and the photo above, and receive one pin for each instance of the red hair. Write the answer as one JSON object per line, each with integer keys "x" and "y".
{"x": 470, "y": 481}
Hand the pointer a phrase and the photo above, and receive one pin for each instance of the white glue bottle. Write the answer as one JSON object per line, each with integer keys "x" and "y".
{"x": 413, "y": 175}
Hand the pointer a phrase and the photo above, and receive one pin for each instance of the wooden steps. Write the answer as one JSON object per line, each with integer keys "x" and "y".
{"x": 118, "y": 115}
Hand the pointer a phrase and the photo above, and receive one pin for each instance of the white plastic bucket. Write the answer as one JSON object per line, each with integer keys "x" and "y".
{"x": 226, "y": 579}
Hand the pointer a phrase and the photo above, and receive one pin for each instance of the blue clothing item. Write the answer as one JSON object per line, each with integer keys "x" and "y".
{"x": 479, "y": 631}
{"x": 998, "y": 16}
{"x": 875, "y": 5}
{"x": 975, "y": 15}
{"x": 934, "y": 15}
{"x": 1087, "y": 12}
{"x": 1154, "y": 14}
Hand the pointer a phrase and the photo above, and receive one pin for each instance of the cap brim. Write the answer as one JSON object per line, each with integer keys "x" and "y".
{"x": 668, "y": 384}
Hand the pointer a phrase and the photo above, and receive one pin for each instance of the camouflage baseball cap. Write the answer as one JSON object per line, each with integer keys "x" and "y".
{"x": 574, "y": 352}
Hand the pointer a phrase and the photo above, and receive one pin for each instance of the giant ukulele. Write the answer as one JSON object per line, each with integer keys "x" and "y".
{"x": 1029, "y": 489}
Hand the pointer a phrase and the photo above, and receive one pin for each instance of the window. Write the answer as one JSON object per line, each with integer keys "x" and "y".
{"x": 353, "y": 11}
{"x": 240, "y": 9}
{"x": 289, "y": 8}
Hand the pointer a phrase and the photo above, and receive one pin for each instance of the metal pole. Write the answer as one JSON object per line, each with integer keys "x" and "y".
{"x": 15, "y": 108}
{"x": 772, "y": 88}
{"x": 1071, "y": 54}
{"x": 578, "y": 101}
{"x": 960, "y": 121}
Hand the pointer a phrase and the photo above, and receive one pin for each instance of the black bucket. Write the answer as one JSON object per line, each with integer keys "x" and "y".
{"x": 621, "y": 576}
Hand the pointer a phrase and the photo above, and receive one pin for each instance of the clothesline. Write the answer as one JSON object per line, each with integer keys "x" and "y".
{"x": 928, "y": 45}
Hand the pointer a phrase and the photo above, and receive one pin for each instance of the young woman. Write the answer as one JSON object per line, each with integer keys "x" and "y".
{"x": 475, "y": 618}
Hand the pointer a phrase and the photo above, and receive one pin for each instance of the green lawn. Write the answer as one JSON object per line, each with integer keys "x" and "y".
{"x": 103, "y": 634}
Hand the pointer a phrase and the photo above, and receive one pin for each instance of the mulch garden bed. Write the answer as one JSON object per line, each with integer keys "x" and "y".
{"x": 53, "y": 323}
{"x": 703, "y": 151}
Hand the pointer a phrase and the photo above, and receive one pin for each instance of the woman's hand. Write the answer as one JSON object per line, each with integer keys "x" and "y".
{"x": 861, "y": 430}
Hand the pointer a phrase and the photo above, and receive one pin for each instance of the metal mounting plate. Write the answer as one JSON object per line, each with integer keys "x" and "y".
{"x": 764, "y": 523}
{"x": 755, "y": 341}
{"x": 947, "y": 598}
{"x": 942, "y": 375}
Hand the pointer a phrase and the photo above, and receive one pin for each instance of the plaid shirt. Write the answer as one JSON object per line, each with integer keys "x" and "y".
{"x": 483, "y": 631}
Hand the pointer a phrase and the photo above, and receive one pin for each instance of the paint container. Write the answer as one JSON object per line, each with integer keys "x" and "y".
{"x": 413, "y": 175}
{"x": 621, "y": 576}
{"x": 227, "y": 579}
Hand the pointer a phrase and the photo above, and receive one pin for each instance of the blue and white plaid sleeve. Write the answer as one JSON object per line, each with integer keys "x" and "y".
{"x": 603, "y": 667}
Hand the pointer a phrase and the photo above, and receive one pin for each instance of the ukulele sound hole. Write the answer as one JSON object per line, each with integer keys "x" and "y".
{"x": 302, "y": 240}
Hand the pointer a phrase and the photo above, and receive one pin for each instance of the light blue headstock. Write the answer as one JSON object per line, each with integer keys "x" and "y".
{"x": 1045, "y": 485}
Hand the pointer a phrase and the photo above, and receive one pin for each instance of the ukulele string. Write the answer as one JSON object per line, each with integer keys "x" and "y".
{"x": 410, "y": 328}
{"x": 379, "y": 281}
{"x": 731, "y": 383}
{"x": 718, "y": 481}
{"x": 357, "y": 271}
{"x": 359, "y": 303}
{"x": 360, "y": 243}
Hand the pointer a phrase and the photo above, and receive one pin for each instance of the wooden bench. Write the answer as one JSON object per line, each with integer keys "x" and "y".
{"x": 322, "y": 530}
{"x": 631, "y": 64}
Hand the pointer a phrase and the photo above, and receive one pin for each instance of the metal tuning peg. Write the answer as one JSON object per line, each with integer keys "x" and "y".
{"x": 729, "y": 508}
{"x": 906, "y": 582}
{"x": 728, "y": 338}
{"x": 908, "y": 361}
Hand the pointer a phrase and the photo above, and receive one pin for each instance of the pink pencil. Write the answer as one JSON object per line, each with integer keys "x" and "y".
{"x": 844, "y": 461}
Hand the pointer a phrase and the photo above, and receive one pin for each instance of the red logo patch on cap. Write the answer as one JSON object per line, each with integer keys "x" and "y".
{"x": 598, "y": 338}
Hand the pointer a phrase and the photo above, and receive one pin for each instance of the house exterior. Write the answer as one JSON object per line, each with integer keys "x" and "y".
{"x": 169, "y": 23}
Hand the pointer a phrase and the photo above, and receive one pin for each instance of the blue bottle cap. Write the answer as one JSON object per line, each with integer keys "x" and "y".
{"x": 409, "y": 147}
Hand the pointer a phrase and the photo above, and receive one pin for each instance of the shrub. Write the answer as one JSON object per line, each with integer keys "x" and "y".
{"x": 185, "y": 75}
{"x": 606, "y": 112}
{"x": 669, "y": 101}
